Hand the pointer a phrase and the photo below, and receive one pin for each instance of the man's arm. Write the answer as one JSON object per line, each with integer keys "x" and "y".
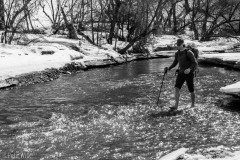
{"x": 175, "y": 62}
{"x": 192, "y": 58}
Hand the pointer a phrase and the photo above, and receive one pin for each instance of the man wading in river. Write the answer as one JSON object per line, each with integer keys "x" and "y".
{"x": 187, "y": 66}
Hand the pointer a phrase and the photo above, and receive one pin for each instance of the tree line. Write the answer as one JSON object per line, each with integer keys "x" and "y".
{"x": 127, "y": 20}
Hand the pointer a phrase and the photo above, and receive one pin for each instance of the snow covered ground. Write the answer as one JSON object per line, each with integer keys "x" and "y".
{"x": 51, "y": 52}
{"x": 48, "y": 52}
{"x": 228, "y": 59}
{"x": 218, "y": 45}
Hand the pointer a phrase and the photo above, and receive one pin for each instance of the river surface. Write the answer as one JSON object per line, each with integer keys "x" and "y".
{"x": 103, "y": 114}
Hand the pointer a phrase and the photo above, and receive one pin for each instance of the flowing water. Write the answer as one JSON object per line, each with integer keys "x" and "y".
{"x": 103, "y": 114}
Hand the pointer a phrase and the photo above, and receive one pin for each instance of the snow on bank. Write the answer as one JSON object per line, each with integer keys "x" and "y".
{"x": 15, "y": 65}
{"x": 16, "y": 60}
{"x": 47, "y": 52}
{"x": 223, "y": 56}
{"x": 217, "y": 45}
{"x": 61, "y": 41}
{"x": 213, "y": 153}
{"x": 171, "y": 40}
{"x": 231, "y": 89}
{"x": 226, "y": 59}
{"x": 215, "y": 48}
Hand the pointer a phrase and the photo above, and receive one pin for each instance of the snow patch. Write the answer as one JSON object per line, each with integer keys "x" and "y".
{"x": 233, "y": 88}
{"x": 223, "y": 56}
{"x": 17, "y": 59}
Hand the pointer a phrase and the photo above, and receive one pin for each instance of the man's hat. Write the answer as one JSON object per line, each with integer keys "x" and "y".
{"x": 180, "y": 42}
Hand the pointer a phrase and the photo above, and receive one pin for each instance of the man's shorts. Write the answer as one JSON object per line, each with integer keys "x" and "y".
{"x": 181, "y": 78}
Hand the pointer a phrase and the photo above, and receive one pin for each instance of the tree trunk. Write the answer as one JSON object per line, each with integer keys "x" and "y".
{"x": 26, "y": 16}
{"x": 26, "y": 20}
{"x": 72, "y": 34}
{"x": 5, "y": 36}
{"x": 239, "y": 27}
{"x": 196, "y": 35}
{"x": 98, "y": 28}
{"x": 86, "y": 37}
{"x": 193, "y": 25}
{"x": 175, "y": 26}
{"x": 239, "y": 23}
{"x": 30, "y": 20}
{"x": 116, "y": 38}
{"x": 206, "y": 37}
{"x": 169, "y": 21}
{"x": 134, "y": 40}
{"x": 2, "y": 17}
{"x": 204, "y": 26}
{"x": 114, "y": 20}
{"x": 187, "y": 7}
{"x": 92, "y": 21}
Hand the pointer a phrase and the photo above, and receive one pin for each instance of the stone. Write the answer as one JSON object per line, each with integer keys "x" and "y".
{"x": 47, "y": 52}
{"x": 174, "y": 155}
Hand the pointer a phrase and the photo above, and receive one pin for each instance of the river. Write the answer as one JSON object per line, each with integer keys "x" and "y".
{"x": 102, "y": 114}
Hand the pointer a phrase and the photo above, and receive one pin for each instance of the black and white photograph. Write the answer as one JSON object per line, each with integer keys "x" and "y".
{"x": 119, "y": 79}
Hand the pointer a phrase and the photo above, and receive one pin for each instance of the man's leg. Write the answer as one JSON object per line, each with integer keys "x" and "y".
{"x": 177, "y": 95}
{"x": 193, "y": 99}
{"x": 179, "y": 82}
{"x": 190, "y": 85}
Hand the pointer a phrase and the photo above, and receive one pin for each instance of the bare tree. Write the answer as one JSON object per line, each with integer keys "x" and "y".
{"x": 192, "y": 9}
{"x": 142, "y": 31}
{"x": 101, "y": 20}
{"x": 54, "y": 15}
{"x": 216, "y": 14}
{"x": 15, "y": 16}
{"x": 113, "y": 9}
{"x": 140, "y": 17}
{"x": 72, "y": 33}
{"x": 2, "y": 15}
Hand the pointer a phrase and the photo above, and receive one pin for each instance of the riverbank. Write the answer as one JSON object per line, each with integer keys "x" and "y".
{"x": 73, "y": 66}
{"x": 229, "y": 60}
{"x": 213, "y": 153}
{"x": 49, "y": 57}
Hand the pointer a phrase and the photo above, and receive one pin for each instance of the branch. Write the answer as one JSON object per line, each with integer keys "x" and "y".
{"x": 19, "y": 11}
{"x": 43, "y": 7}
{"x": 87, "y": 38}
{"x": 37, "y": 39}
{"x": 156, "y": 11}
{"x": 134, "y": 40}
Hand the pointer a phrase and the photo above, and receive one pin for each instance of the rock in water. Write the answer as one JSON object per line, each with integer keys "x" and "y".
{"x": 175, "y": 154}
{"x": 233, "y": 89}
